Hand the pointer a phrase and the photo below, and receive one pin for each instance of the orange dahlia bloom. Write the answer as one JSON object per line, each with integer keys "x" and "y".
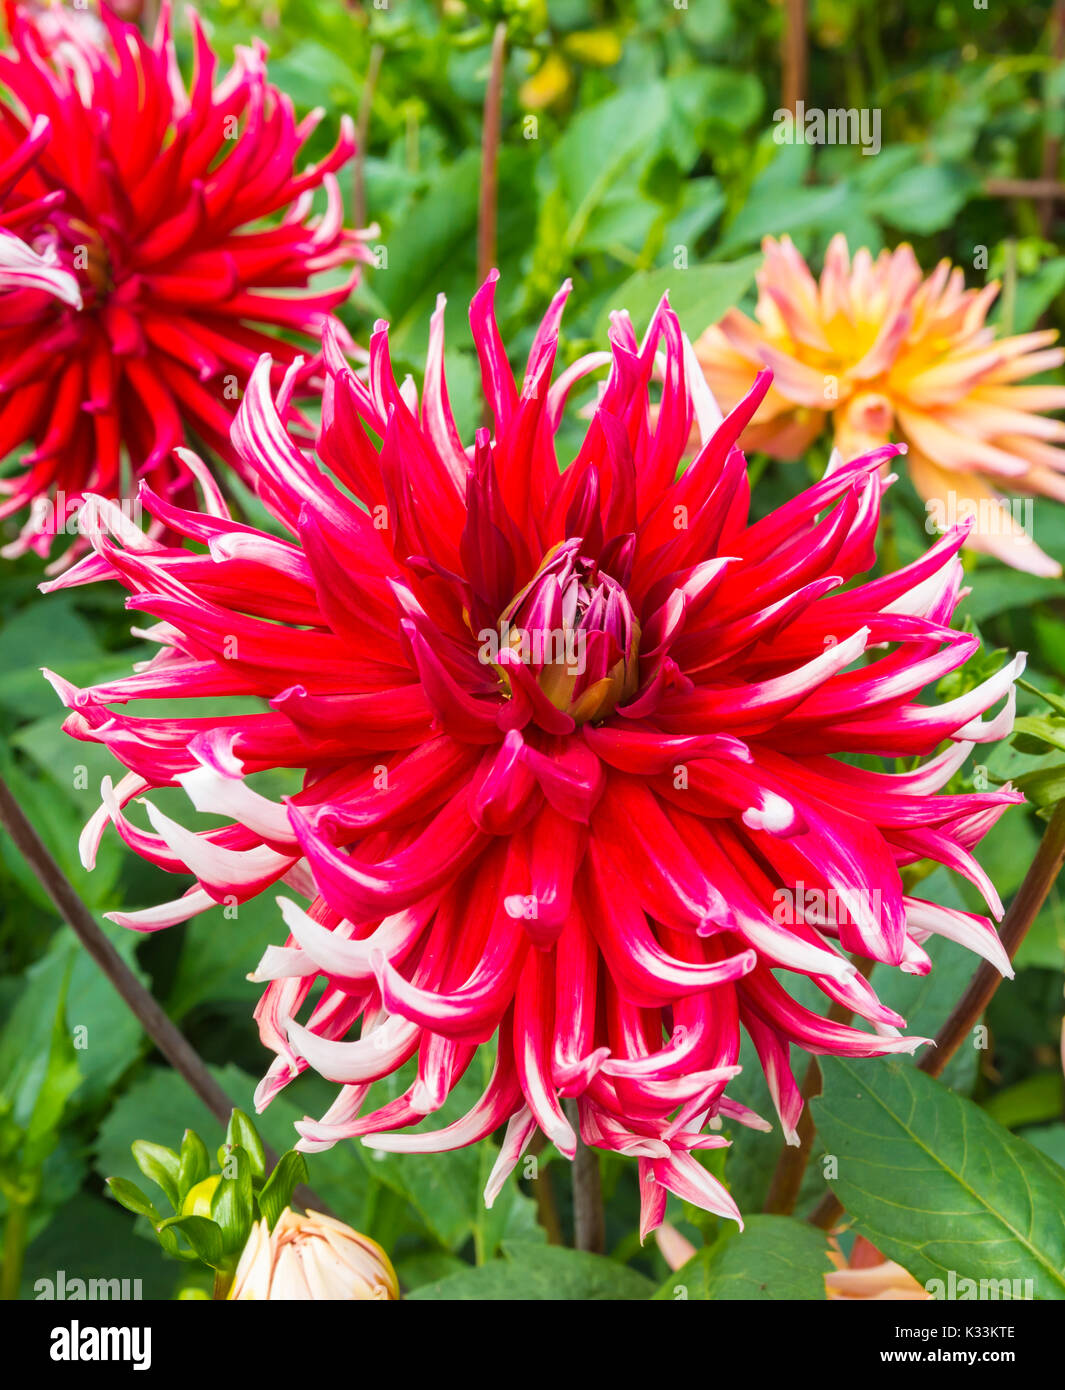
{"x": 885, "y": 353}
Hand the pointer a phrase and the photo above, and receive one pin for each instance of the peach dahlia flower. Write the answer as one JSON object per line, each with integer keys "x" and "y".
{"x": 881, "y": 352}
{"x": 312, "y": 1257}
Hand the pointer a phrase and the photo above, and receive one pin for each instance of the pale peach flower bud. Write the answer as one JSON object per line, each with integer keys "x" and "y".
{"x": 312, "y": 1257}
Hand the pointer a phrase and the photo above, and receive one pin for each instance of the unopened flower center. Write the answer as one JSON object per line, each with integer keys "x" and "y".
{"x": 574, "y": 628}
{"x": 91, "y": 260}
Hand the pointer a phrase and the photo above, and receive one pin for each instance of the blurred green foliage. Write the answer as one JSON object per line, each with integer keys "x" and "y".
{"x": 637, "y": 137}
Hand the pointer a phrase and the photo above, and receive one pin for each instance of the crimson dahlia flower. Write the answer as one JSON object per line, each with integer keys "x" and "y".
{"x": 570, "y": 746}
{"x": 144, "y": 199}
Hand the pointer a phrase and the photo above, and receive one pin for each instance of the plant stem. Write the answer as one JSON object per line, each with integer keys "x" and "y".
{"x": 589, "y": 1220}
{"x": 544, "y": 1195}
{"x": 1022, "y": 912}
{"x": 1009, "y": 285}
{"x": 1052, "y": 143}
{"x": 490, "y": 136}
{"x": 793, "y": 54}
{"x": 16, "y": 1229}
{"x": 791, "y": 1166}
{"x": 174, "y": 1046}
{"x": 358, "y": 190}
{"x": 149, "y": 18}
{"x": 170, "y": 1041}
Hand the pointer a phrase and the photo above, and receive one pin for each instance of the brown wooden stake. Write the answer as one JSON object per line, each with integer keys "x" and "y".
{"x": 490, "y": 137}
{"x": 1052, "y": 143}
{"x": 794, "y": 55}
{"x": 170, "y": 1041}
{"x": 1022, "y": 912}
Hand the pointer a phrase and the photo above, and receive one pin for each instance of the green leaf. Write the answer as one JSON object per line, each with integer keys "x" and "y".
{"x": 431, "y": 1267}
{"x": 541, "y": 1272}
{"x": 152, "y": 1108}
{"x": 999, "y": 589}
{"x": 700, "y": 295}
{"x": 161, "y": 1165}
{"x": 232, "y": 1204}
{"x": 203, "y": 1235}
{"x": 435, "y": 228}
{"x": 926, "y": 198}
{"x": 195, "y": 1164}
{"x": 218, "y": 952}
{"x": 276, "y": 1194}
{"x": 773, "y": 1258}
{"x": 601, "y": 140}
{"x": 106, "y": 1035}
{"x": 1048, "y": 1139}
{"x": 768, "y": 211}
{"x": 926, "y": 1001}
{"x": 1038, "y": 733}
{"x": 92, "y": 1240}
{"x": 130, "y": 1196}
{"x": 241, "y": 1132}
{"x": 935, "y": 1183}
{"x": 1044, "y": 786}
{"x": 1034, "y": 295}
{"x": 160, "y": 1101}
{"x": 310, "y": 71}
{"x": 1032, "y": 1101}
{"x": 61, "y": 1079}
{"x": 1056, "y": 702}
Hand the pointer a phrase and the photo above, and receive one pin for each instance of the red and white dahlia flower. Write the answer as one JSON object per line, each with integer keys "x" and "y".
{"x": 569, "y": 742}
{"x": 139, "y": 284}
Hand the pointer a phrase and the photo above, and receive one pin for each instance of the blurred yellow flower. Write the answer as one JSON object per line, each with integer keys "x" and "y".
{"x": 599, "y": 48}
{"x": 548, "y": 84}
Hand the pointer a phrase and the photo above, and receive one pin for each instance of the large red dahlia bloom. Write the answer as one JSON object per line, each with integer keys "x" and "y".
{"x": 570, "y": 745}
{"x": 146, "y": 196}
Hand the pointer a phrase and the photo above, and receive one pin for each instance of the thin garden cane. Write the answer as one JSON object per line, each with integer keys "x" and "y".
{"x": 147, "y": 1010}
{"x": 1030, "y": 897}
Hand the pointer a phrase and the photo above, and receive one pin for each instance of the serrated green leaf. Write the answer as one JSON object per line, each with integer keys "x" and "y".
{"x": 935, "y": 1183}
{"x": 773, "y": 1258}
{"x": 541, "y": 1272}
{"x": 95, "y": 1240}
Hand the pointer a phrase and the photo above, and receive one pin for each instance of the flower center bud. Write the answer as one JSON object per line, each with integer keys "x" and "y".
{"x": 91, "y": 258}
{"x": 574, "y": 628}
